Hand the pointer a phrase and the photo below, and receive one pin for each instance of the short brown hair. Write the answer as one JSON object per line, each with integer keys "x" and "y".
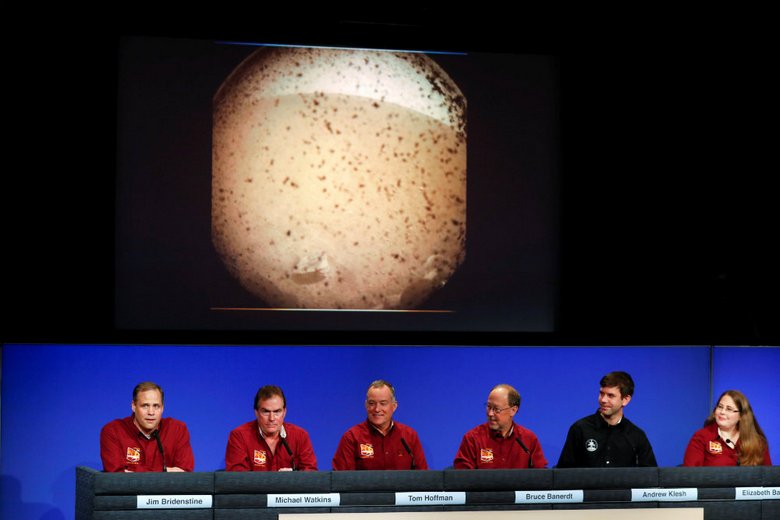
{"x": 267, "y": 392}
{"x": 145, "y": 387}
{"x": 620, "y": 379}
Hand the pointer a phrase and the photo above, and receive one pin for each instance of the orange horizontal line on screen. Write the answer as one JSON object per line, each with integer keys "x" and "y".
{"x": 428, "y": 311}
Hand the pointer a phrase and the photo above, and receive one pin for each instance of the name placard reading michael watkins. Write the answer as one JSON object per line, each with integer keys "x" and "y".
{"x": 305, "y": 500}
{"x": 430, "y": 498}
{"x": 559, "y": 496}
{"x": 173, "y": 501}
{"x": 664, "y": 495}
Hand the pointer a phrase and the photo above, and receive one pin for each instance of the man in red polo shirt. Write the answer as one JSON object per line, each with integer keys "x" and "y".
{"x": 146, "y": 441}
{"x": 379, "y": 442}
{"x": 500, "y": 443}
{"x": 269, "y": 443}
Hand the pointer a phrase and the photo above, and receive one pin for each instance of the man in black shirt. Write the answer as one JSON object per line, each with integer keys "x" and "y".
{"x": 607, "y": 439}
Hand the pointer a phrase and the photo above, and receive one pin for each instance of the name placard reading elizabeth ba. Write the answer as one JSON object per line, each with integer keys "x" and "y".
{"x": 757, "y": 493}
{"x": 305, "y": 500}
{"x": 430, "y": 498}
{"x": 173, "y": 501}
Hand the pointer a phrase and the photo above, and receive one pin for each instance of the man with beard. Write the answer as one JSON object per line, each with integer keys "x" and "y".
{"x": 500, "y": 443}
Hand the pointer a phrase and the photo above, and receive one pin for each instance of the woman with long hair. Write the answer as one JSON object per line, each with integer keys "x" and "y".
{"x": 731, "y": 436}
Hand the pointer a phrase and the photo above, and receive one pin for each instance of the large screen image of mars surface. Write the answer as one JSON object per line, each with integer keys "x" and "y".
{"x": 270, "y": 186}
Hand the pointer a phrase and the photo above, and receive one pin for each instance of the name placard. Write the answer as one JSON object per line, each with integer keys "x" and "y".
{"x": 664, "y": 495}
{"x": 757, "y": 493}
{"x": 305, "y": 500}
{"x": 173, "y": 501}
{"x": 430, "y": 498}
{"x": 559, "y": 496}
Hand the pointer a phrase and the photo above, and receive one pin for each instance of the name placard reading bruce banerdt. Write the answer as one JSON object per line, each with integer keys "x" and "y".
{"x": 559, "y": 496}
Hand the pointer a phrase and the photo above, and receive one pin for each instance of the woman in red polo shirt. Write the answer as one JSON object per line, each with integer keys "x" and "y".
{"x": 731, "y": 436}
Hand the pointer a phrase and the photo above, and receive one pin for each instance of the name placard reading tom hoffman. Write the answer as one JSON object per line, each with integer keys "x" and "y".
{"x": 305, "y": 500}
{"x": 559, "y": 496}
{"x": 430, "y": 498}
{"x": 757, "y": 493}
{"x": 664, "y": 495}
{"x": 173, "y": 501}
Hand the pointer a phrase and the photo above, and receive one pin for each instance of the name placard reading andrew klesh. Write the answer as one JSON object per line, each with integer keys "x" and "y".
{"x": 305, "y": 500}
{"x": 173, "y": 501}
{"x": 430, "y": 498}
{"x": 757, "y": 493}
{"x": 664, "y": 495}
{"x": 559, "y": 496}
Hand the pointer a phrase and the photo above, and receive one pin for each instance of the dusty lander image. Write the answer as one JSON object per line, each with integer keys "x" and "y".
{"x": 339, "y": 177}
{"x": 276, "y": 186}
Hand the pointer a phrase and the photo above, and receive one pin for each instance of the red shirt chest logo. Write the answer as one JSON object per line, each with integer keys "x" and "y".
{"x": 486, "y": 455}
{"x": 366, "y": 451}
{"x": 715, "y": 448}
{"x": 133, "y": 455}
{"x": 260, "y": 458}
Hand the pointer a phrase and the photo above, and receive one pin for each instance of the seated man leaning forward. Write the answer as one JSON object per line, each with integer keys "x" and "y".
{"x": 500, "y": 443}
{"x": 268, "y": 443}
{"x": 607, "y": 439}
{"x": 145, "y": 441}
{"x": 379, "y": 442}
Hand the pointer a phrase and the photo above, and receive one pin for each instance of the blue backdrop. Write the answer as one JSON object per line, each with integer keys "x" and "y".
{"x": 55, "y": 398}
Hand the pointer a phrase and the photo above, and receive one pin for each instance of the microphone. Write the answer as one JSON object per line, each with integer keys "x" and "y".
{"x": 530, "y": 460}
{"x": 733, "y": 445}
{"x": 156, "y": 435}
{"x": 408, "y": 450}
{"x": 283, "y": 437}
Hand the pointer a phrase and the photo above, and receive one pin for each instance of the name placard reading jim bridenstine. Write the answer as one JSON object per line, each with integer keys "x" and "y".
{"x": 757, "y": 493}
{"x": 664, "y": 495}
{"x": 559, "y": 496}
{"x": 430, "y": 498}
{"x": 173, "y": 501}
{"x": 305, "y": 500}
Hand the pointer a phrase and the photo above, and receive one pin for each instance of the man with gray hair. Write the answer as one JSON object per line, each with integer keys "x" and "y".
{"x": 380, "y": 442}
{"x": 500, "y": 443}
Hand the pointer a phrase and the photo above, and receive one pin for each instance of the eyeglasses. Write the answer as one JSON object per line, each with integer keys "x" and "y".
{"x": 495, "y": 409}
{"x": 727, "y": 409}
{"x": 268, "y": 413}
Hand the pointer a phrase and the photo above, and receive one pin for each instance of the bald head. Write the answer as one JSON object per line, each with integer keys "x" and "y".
{"x": 502, "y": 405}
{"x": 512, "y": 395}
